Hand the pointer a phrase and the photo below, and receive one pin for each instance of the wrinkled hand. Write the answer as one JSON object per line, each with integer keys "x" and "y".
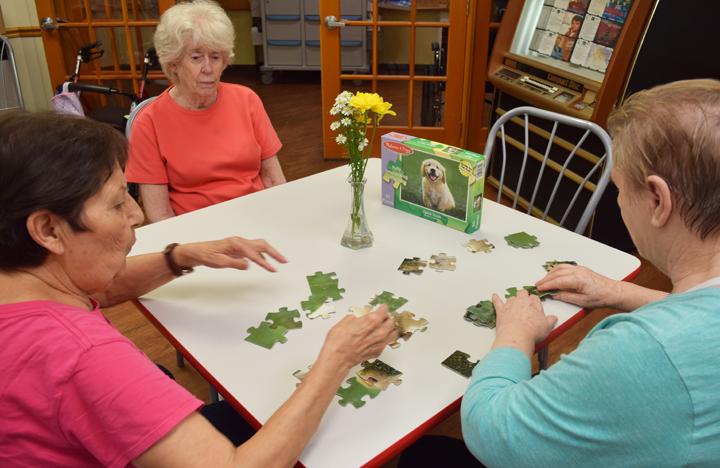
{"x": 581, "y": 286}
{"x": 521, "y": 322}
{"x": 357, "y": 339}
{"x": 232, "y": 252}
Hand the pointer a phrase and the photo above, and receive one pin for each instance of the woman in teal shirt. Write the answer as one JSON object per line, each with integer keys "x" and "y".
{"x": 643, "y": 389}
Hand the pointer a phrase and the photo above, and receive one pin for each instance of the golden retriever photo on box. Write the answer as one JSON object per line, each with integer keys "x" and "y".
{"x": 435, "y": 191}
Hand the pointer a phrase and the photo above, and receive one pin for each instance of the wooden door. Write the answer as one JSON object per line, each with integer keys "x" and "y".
{"x": 428, "y": 93}
{"x": 125, "y": 28}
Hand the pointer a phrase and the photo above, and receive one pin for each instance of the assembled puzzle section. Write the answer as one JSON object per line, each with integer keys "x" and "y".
{"x": 433, "y": 180}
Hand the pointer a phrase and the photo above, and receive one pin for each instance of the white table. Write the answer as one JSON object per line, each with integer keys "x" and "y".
{"x": 208, "y": 312}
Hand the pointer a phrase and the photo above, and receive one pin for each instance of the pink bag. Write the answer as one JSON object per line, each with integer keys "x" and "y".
{"x": 67, "y": 102}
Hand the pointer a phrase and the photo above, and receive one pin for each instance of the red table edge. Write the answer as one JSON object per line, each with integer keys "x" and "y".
{"x": 390, "y": 452}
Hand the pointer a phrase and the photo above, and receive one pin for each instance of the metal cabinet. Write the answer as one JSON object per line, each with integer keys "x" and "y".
{"x": 291, "y": 36}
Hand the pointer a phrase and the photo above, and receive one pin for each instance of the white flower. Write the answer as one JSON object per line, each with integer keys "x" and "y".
{"x": 334, "y": 110}
{"x": 335, "y": 125}
{"x": 340, "y": 139}
{"x": 361, "y": 146}
{"x": 346, "y": 122}
{"x": 346, "y": 111}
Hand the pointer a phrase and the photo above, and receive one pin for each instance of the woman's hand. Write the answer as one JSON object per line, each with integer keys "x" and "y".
{"x": 521, "y": 323}
{"x": 581, "y": 286}
{"x": 357, "y": 339}
{"x": 232, "y": 252}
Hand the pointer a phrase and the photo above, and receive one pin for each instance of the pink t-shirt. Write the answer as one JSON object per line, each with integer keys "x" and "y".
{"x": 75, "y": 392}
{"x": 204, "y": 156}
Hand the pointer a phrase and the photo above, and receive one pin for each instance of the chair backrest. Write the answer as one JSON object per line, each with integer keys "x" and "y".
{"x": 134, "y": 113}
{"x": 578, "y": 171}
{"x": 10, "y": 92}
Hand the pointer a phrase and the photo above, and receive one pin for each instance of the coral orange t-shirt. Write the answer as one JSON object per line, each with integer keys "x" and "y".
{"x": 204, "y": 156}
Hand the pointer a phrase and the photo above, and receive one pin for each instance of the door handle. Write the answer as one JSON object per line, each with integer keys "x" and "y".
{"x": 332, "y": 23}
{"x": 48, "y": 23}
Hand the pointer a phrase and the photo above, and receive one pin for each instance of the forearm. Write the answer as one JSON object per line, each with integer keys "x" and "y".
{"x": 142, "y": 274}
{"x": 156, "y": 202}
{"x": 487, "y": 404}
{"x": 633, "y": 296}
{"x": 281, "y": 441}
{"x": 271, "y": 172}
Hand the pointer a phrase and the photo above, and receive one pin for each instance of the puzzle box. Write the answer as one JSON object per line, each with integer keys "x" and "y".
{"x": 432, "y": 180}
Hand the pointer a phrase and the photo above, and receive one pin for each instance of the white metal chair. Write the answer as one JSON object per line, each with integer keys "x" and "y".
{"x": 520, "y": 116}
{"x": 10, "y": 93}
{"x": 555, "y": 164}
{"x": 134, "y": 113}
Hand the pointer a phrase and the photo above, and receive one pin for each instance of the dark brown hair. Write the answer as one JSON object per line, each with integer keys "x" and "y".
{"x": 54, "y": 162}
{"x": 673, "y": 131}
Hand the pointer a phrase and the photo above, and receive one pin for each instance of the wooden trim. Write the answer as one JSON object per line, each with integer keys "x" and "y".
{"x": 330, "y": 64}
{"x": 51, "y": 44}
{"x": 619, "y": 68}
{"x": 235, "y": 4}
{"x": 103, "y": 23}
{"x": 345, "y": 76}
{"x": 419, "y": 24}
{"x": 23, "y": 31}
{"x": 476, "y": 130}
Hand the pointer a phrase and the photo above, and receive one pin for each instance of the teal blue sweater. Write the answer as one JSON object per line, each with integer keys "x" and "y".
{"x": 641, "y": 390}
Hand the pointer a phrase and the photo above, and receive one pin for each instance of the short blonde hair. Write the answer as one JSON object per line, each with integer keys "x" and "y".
{"x": 673, "y": 131}
{"x": 202, "y": 22}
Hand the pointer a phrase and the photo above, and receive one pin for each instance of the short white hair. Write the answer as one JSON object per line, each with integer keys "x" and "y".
{"x": 199, "y": 23}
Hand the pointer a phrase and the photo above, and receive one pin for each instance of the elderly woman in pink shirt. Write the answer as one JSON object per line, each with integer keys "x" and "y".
{"x": 74, "y": 391}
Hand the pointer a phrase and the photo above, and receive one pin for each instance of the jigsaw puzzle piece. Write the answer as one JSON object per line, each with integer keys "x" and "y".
{"x": 301, "y": 374}
{"x": 481, "y": 314}
{"x": 323, "y": 311}
{"x": 549, "y": 265}
{"x": 378, "y": 375}
{"x": 522, "y": 240}
{"x": 360, "y": 311}
{"x": 479, "y": 245}
{"x": 284, "y": 318}
{"x": 412, "y": 265}
{"x": 265, "y": 335}
{"x": 329, "y": 292}
{"x": 442, "y": 262}
{"x": 407, "y": 324}
{"x": 460, "y": 363}
{"x": 354, "y": 393}
{"x": 532, "y": 290}
{"x": 313, "y": 303}
{"x": 386, "y": 297}
{"x": 321, "y": 280}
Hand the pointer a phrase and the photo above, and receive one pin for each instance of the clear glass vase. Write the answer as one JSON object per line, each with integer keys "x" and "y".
{"x": 357, "y": 233}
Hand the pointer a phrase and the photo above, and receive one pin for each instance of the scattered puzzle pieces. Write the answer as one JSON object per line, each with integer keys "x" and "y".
{"x": 284, "y": 318}
{"x": 378, "y": 375}
{"x": 481, "y": 314}
{"x": 459, "y": 362}
{"x": 522, "y": 240}
{"x": 395, "y": 174}
{"x": 549, "y": 265}
{"x": 265, "y": 335}
{"x": 386, "y": 297}
{"x": 412, "y": 265}
{"x": 407, "y": 324}
{"x": 479, "y": 245}
{"x": 442, "y": 262}
{"x": 512, "y": 292}
{"x": 354, "y": 393}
